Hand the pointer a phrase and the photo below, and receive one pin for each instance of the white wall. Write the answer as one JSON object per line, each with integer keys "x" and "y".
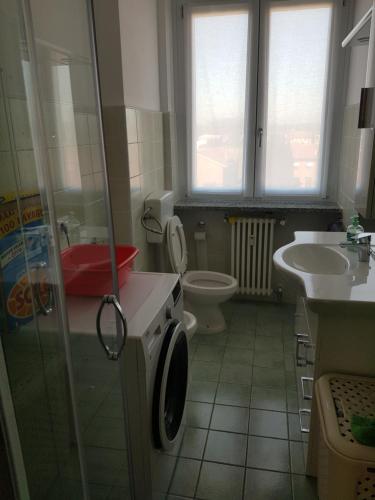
{"x": 66, "y": 28}
{"x": 107, "y": 27}
{"x": 139, "y": 43}
{"x": 350, "y": 139}
{"x": 358, "y": 59}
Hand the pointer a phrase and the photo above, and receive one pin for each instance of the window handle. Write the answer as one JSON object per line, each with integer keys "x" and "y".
{"x": 260, "y": 136}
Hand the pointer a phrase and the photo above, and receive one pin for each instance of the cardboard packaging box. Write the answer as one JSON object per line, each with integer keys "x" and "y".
{"x": 23, "y": 260}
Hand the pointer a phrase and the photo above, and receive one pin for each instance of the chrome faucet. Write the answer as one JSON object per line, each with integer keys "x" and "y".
{"x": 362, "y": 243}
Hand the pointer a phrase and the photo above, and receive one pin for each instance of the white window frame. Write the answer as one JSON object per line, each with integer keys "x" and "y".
{"x": 252, "y": 152}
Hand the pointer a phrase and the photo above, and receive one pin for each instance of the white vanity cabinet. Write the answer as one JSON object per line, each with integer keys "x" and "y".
{"x": 329, "y": 338}
{"x": 335, "y": 318}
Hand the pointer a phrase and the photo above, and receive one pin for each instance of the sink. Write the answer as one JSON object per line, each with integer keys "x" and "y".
{"x": 315, "y": 259}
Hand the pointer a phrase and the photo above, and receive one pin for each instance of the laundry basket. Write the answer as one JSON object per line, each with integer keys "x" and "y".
{"x": 346, "y": 468}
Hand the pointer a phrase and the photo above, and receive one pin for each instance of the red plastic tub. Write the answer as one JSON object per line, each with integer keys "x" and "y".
{"x": 87, "y": 268}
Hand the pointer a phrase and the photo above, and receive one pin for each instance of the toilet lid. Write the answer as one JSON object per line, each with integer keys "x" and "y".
{"x": 177, "y": 245}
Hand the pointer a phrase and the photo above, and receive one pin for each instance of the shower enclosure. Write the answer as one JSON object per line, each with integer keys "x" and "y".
{"x": 63, "y": 412}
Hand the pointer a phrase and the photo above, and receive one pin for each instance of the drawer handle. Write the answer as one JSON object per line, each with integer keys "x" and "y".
{"x": 301, "y": 360}
{"x": 301, "y": 335}
{"x": 304, "y": 411}
{"x": 303, "y": 380}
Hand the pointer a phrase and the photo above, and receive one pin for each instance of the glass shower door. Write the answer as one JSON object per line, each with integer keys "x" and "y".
{"x": 35, "y": 385}
{"x": 58, "y": 255}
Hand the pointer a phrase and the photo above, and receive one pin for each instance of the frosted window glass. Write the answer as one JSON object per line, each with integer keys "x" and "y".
{"x": 298, "y": 56}
{"x": 218, "y": 91}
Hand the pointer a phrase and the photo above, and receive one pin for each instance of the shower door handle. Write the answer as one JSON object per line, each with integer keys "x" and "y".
{"x": 111, "y": 299}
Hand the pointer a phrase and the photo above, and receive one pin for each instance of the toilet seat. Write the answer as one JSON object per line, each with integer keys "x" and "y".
{"x": 208, "y": 283}
{"x": 177, "y": 245}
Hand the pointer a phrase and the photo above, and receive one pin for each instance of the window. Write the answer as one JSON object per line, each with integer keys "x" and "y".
{"x": 218, "y": 93}
{"x": 256, "y": 86}
{"x": 295, "y": 105}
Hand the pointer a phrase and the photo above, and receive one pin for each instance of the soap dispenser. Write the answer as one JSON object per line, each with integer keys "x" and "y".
{"x": 353, "y": 229}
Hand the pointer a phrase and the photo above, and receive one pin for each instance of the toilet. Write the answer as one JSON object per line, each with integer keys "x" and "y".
{"x": 203, "y": 290}
{"x": 191, "y": 324}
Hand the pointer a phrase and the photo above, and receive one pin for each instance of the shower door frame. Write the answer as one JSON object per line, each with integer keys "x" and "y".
{"x": 14, "y": 450}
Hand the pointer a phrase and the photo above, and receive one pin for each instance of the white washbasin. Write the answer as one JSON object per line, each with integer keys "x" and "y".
{"x": 315, "y": 259}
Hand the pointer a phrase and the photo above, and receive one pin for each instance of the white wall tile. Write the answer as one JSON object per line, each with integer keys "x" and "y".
{"x": 7, "y": 172}
{"x": 4, "y": 132}
{"x": 27, "y": 170}
{"x": 60, "y": 124}
{"x": 56, "y": 167}
{"x": 157, "y": 126}
{"x": 82, "y": 129}
{"x": 144, "y": 125}
{"x": 131, "y": 125}
{"x": 99, "y": 182}
{"x": 159, "y": 179}
{"x": 93, "y": 129}
{"x": 134, "y": 161}
{"x": 146, "y": 156}
{"x": 88, "y": 186}
{"x": 21, "y": 125}
{"x": 136, "y": 191}
{"x": 84, "y": 158}
{"x": 158, "y": 155}
{"x": 66, "y": 124}
{"x": 50, "y": 122}
{"x": 96, "y": 158}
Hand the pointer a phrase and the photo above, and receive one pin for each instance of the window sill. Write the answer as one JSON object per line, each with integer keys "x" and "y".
{"x": 249, "y": 206}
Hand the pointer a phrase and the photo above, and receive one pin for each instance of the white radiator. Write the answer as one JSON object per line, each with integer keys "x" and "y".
{"x": 252, "y": 250}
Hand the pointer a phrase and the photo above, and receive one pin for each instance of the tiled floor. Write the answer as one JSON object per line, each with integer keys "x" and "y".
{"x": 242, "y": 439}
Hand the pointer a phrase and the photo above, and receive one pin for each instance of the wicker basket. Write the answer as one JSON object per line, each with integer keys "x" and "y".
{"x": 346, "y": 468}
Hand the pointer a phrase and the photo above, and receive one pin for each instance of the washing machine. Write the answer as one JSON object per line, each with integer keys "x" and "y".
{"x": 156, "y": 367}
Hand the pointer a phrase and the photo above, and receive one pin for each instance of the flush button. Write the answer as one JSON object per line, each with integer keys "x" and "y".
{"x": 168, "y": 313}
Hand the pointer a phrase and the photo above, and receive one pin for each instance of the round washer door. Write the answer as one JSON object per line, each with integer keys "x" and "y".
{"x": 170, "y": 386}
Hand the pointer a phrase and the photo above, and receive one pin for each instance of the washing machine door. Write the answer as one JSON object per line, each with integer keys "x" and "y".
{"x": 170, "y": 386}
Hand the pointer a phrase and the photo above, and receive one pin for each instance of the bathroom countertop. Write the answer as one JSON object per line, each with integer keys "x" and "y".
{"x": 253, "y": 206}
{"x": 356, "y": 285}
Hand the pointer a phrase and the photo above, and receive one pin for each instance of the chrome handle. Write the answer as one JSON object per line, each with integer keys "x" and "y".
{"x": 301, "y": 360}
{"x": 111, "y": 299}
{"x": 303, "y": 411}
{"x": 304, "y": 395}
{"x": 43, "y": 308}
{"x": 260, "y": 136}
{"x": 301, "y": 335}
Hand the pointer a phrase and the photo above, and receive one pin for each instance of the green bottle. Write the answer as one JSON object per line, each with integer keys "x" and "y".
{"x": 353, "y": 229}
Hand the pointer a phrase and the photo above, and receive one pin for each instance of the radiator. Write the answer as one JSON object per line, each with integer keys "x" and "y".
{"x": 251, "y": 254}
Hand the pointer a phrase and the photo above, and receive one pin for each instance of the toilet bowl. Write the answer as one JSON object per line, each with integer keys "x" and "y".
{"x": 203, "y": 290}
{"x": 190, "y": 323}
